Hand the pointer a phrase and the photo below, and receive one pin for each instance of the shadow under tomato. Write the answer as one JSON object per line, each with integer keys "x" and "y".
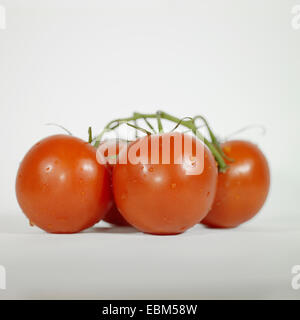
{"x": 111, "y": 230}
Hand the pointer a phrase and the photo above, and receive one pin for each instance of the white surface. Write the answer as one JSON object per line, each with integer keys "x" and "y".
{"x": 81, "y": 63}
{"x": 250, "y": 262}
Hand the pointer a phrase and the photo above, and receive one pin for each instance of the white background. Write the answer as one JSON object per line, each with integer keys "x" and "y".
{"x": 81, "y": 63}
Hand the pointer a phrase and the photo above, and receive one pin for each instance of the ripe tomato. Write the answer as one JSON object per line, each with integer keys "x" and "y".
{"x": 61, "y": 187}
{"x": 112, "y": 148}
{"x": 242, "y": 189}
{"x": 164, "y": 198}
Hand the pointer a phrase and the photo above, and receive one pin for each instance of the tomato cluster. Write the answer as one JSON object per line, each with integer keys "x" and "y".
{"x": 64, "y": 185}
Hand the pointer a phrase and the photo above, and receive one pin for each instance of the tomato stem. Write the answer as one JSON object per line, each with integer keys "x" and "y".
{"x": 159, "y": 124}
{"x": 90, "y": 135}
{"x": 252, "y": 126}
{"x": 180, "y": 122}
{"x": 59, "y": 126}
{"x": 136, "y": 130}
{"x": 190, "y": 123}
{"x": 148, "y": 133}
{"x": 213, "y": 138}
{"x": 150, "y": 125}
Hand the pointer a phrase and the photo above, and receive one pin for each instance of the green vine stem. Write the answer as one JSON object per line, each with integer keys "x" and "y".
{"x": 148, "y": 133}
{"x": 135, "y": 124}
{"x": 189, "y": 123}
{"x": 90, "y": 135}
{"x": 179, "y": 123}
{"x": 213, "y": 138}
{"x": 61, "y": 127}
{"x": 150, "y": 125}
{"x": 159, "y": 124}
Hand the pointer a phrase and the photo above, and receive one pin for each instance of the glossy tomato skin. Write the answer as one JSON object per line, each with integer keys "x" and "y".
{"x": 243, "y": 188}
{"x": 163, "y": 198}
{"x": 61, "y": 187}
{"x": 113, "y": 215}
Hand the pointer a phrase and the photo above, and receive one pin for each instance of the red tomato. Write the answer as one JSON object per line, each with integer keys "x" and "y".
{"x": 109, "y": 150}
{"x": 114, "y": 216}
{"x": 113, "y": 147}
{"x": 242, "y": 189}
{"x": 61, "y": 187}
{"x": 164, "y": 198}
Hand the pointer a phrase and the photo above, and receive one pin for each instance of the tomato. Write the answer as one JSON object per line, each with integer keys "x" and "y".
{"x": 242, "y": 189}
{"x": 161, "y": 198}
{"x": 111, "y": 149}
{"x": 61, "y": 187}
{"x": 113, "y": 216}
